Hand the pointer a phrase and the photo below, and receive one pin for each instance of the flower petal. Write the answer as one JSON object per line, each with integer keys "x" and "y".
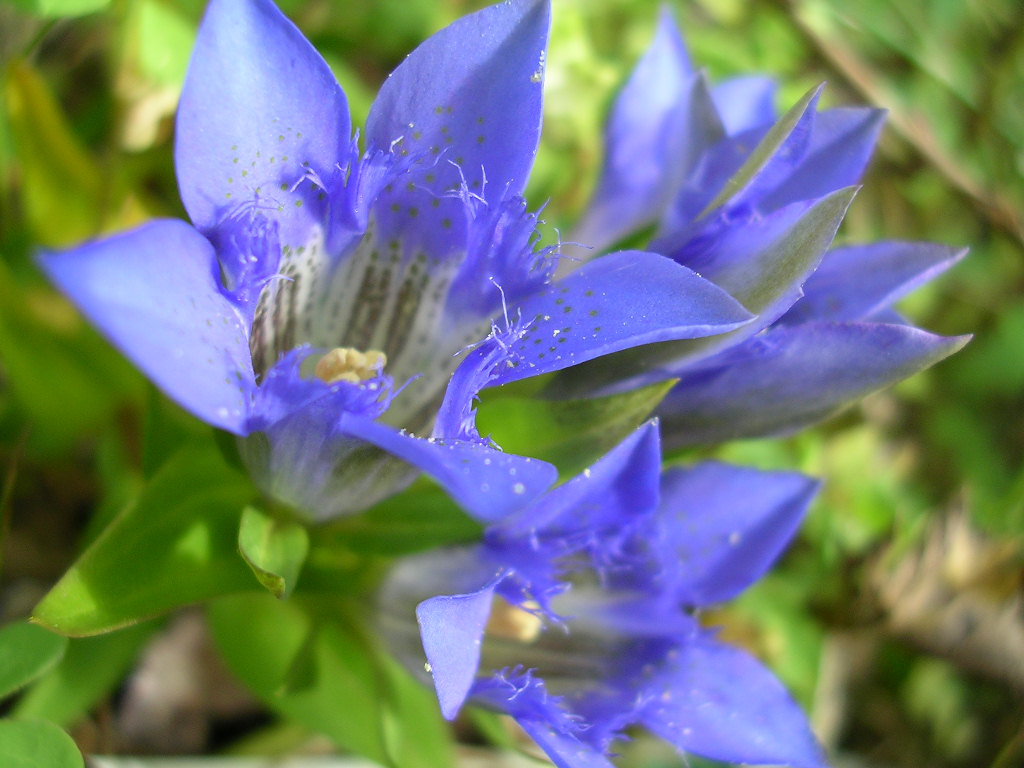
{"x": 452, "y": 629}
{"x": 841, "y": 144}
{"x": 764, "y": 262}
{"x": 524, "y": 697}
{"x": 790, "y": 377}
{"x": 259, "y": 109}
{"x": 761, "y": 263}
{"x": 566, "y": 750}
{"x": 467, "y": 102}
{"x": 773, "y": 159}
{"x": 618, "y": 301}
{"x": 305, "y": 460}
{"x": 153, "y": 293}
{"x": 662, "y": 121}
{"x": 487, "y": 483}
{"x": 479, "y": 77}
{"x": 745, "y": 102}
{"x": 857, "y": 282}
{"x": 719, "y": 702}
{"x": 722, "y": 527}
{"x": 719, "y": 164}
{"x": 601, "y": 501}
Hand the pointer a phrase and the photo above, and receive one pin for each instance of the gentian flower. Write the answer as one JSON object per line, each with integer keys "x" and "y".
{"x": 579, "y": 614}
{"x": 752, "y": 203}
{"x": 316, "y": 305}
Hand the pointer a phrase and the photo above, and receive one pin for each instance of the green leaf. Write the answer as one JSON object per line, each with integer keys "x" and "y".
{"x": 36, "y": 744}
{"x": 26, "y": 652}
{"x": 492, "y": 727}
{"x": 421, "y": 517}
{"x": 59, "y": 8}
{"x": 315, "y": 672}
{"x": 61, "y": 182}
{"x": 275, "y": 549}
{"x": 788, "y": 639}
{"x": 90, "y": 670}
{"x": 572, "y": 434}
{"x": 417, "y": 735}
{"x": 65, "y": 379}
{"x": 311, "y": 662}
{"x": 159, "y": 39}
{"x": 762, "y": 153}
{"x": 177, "y": 544}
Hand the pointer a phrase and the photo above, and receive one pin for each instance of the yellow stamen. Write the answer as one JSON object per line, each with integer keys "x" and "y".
{"x": 511, "y": 622}
{"x": 351, "y": 365}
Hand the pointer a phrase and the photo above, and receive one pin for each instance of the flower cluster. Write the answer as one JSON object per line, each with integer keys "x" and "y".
{"x": 578, "y": 615}
{"x": 407, "y": 252}
{"x": 752, "y": 203}
{"x": 338, "y": 302}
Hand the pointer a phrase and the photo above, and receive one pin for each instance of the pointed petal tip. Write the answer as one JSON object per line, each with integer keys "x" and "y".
{"x": 256, "y": 94}
{"x": 451, "y": 629}
{"x": 174, "y": 324}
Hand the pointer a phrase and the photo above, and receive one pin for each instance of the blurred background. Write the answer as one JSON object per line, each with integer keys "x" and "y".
{"x": 897, "y": 619}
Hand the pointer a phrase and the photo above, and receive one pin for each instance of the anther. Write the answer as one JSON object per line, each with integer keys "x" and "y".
{"x": 351, "y": 365}
{"x": 511, "y": 622}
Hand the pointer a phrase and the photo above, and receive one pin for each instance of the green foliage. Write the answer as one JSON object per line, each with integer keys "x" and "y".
{"x": 571, "y": 434}
{"x": 177, "y": 544}
{"x": 61, "y": 8}
{"x": 62, "y": 378}
{"x": 90, "y": 669}
{"x": 26, "y": 652}
{"x": 275, "y": 549}
{"x": 422, "y": 517}
{"x": 36, "y": 744}
{"x": 60, "y": 180}
{"x": 312, "y": 662}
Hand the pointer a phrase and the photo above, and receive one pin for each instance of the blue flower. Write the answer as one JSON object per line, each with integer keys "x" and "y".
{"x": 577, "y": 615}
{"x": 316, "y": 305}
{"x": 752, "y": 203}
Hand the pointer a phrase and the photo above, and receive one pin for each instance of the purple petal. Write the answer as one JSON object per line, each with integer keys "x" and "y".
{"x": 722, "y": 527}
{"x": 745, "y": 102}
{"x": 790, "y": 377}
{"x": 662, "y": 121}
{"x": 858, "y": 282}
{"x": 303, "y": 458}
{"x": 720, "y": 163}
{"x": 841, "y": 144}
{"x": 524, "y": 697}
{"x": 467, "y": 103}
{"x": 624, "y": 606}
{"x": 153, "y": 293}
{"x": 601, "y": 501}
{"x": 487, "y": 483}
{"x": 452, "y": 628}
{"x": 719, "y": 702}
{"x": 259, "y": 109}
{"x": 762, "y": 263}
{"x": 618, "y": 301}
{"x": 734, "y": 175}
{"x": 773, "y": 160}
{"x": 566, "y": 750}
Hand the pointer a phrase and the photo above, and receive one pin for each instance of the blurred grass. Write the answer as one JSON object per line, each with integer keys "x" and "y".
{"x": 85, "y": 147}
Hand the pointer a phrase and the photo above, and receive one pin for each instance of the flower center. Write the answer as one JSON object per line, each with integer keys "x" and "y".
{"x": 349, "y": 364}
